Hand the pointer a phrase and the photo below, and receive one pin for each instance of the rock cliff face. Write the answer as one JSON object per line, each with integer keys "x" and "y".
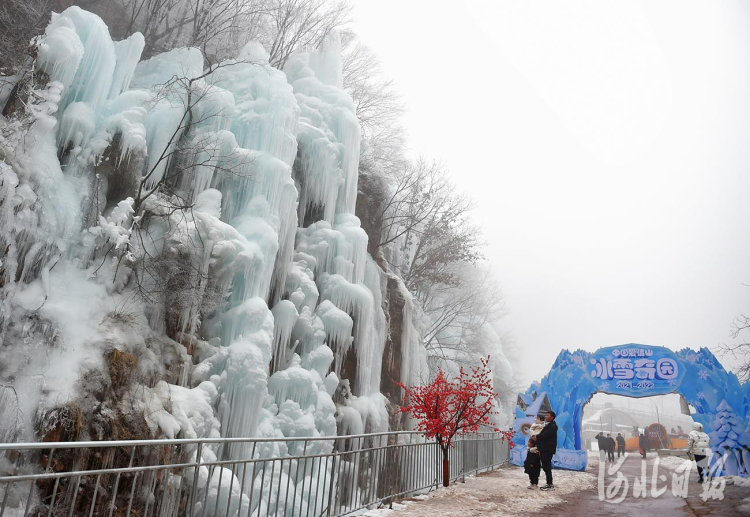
{"x": 371, "y": 199}
{"x": 393, "y": 353}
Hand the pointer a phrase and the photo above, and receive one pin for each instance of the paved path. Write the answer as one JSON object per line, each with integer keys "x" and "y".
{"x": 504, "y": 493}
{"x": 664, "y": 505}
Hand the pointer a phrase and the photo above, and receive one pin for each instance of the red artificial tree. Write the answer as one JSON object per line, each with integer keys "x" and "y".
{"x": 445, "y": 409}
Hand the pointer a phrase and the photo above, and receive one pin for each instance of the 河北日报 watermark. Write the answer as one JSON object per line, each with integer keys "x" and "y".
{"x": 615, "y": 490}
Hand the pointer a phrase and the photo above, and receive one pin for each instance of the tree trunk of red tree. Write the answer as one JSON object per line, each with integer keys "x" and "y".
{"x": 446, "y": 468}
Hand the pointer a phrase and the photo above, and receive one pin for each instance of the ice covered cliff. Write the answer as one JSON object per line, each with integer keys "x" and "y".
{"x": 180, "y": 251}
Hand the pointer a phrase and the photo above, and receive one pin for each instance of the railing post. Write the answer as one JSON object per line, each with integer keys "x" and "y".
{"x": 463, "y": 461}
{"x": 330, "y": 485}
{"x": 492, "y": 454}
{"x": 117, "y": 484}
{"x": 196, "y": 477}
{"x": 438, "y": 465}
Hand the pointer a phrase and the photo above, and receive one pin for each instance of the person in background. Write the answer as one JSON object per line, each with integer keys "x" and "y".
{"x": 601, "y": 441}
{"x": 610, "y": 447}
{"x": 533, "y": 463}
{"x": 698, "y": 448}
{"x": 546, "y": 443}
{"x": 643, "y": 445}
{"x": 620, "y": 444}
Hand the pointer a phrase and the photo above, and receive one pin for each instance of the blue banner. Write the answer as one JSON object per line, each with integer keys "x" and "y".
{"x": 635, "y": 370}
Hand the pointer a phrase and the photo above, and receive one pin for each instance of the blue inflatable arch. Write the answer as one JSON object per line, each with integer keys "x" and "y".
{"x": 722, "y": 404}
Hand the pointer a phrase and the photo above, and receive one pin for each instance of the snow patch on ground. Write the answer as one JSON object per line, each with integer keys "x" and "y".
{"x": 673, "y": 462}
{"x": 499, "y": 493}
{"x": 738, "y": 481}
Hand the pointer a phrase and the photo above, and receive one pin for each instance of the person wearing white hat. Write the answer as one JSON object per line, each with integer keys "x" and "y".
{"x": 698, "y": 448}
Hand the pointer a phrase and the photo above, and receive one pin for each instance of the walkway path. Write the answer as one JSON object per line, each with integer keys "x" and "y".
{"x": 504, "y": 493}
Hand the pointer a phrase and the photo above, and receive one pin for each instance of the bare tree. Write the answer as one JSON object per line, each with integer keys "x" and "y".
{"x": 221, "y": 27}
{"x": 434, "y": 249}
{"x": 171, "y": 163}
{"x": 414, "y": 195}
{"x": 437, "y": 234}
{"x": 165, "y": 253}
{"x": 20, "y": 21}
{"x": 294, "y": 24}
{"x": 739, "y": 351}
{"x": 378, "y": 103}
{"x": 458, "y": 311}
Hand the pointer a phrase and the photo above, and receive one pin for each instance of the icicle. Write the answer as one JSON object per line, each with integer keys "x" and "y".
{"x": 308, "y": 333}
{"x": 329, "y": 136}
{"x": 294, "y": 383}
{"x": 77, "y": 125}
{"x": 370, "y": 353}
{"x": 300, "y": 285}
{"x": 128, "y": 54}
{"x": 349, "y": 225}
{"x": 338, "y": 325}
{"x": 284, "y": 317}
{"x": 93, "y": 76}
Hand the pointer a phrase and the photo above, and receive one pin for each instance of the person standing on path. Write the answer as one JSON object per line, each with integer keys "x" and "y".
{"x": 643, "y": 445}
{"x": 546, "y": 444}
{"x": 698, "y": 448}
{"x": 620, "y": 444}
{"x": 533, "y": 463}
{"x": 601, "y": 441}
{"x": 610, "y": 447}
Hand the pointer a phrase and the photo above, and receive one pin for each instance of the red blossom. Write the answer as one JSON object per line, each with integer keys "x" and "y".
{"x": 448, "y": 408}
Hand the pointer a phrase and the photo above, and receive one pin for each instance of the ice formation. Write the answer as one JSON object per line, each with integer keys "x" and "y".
{"x": 201, "y": 221}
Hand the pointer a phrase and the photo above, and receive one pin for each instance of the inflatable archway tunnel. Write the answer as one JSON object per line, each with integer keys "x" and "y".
{"x": 722, "y": 404}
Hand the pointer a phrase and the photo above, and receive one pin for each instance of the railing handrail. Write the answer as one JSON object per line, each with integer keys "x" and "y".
{"x": 368, "y": 470}
{"x": 189, "y": 464}
{"x": 184, "y": 441}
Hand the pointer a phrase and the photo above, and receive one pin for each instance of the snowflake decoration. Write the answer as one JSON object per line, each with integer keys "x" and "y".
{"x": 716, "y": 391}
{"x": 701, "y": 395}
{"x": 604, "y": 385}
{"x": 578, "y": 360}
{"x": 703, "y": 374}
{"x": 692, "y": 358}
{"x": 567, "y": 394}
{"x": 570, "y": 375}
{"x": 672, "y": 382}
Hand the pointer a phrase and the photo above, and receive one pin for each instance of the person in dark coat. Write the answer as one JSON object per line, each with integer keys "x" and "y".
{"x": 643, "y": 444}
{"x": 546, "y": 444}
{"x": 533, "y": 464}
{"x": 610, "y": 447}
{"x": 601, "y": 441}
{"x": 620, "y": 444}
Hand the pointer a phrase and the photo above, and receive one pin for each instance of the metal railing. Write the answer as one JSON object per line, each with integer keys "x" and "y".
{"x": 231, "y": 477}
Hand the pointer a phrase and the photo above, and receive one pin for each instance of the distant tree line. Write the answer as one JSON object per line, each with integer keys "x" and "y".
{"x": 220, "y": 28}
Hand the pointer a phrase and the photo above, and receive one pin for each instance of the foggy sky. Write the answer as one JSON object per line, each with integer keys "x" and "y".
{"x": 606, "y": 145}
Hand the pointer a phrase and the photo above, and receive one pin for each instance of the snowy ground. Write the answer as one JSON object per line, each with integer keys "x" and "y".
{"x": 504, "y": 493}
{"x": 499, "y": 493}
{"x": 745, "y": 483}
